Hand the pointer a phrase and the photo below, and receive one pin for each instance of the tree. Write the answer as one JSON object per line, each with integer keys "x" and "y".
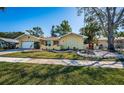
{"x": 110, "y": 19}
{"x": 36, "y": 31}
{"x": 11, "y": 35}
{"x": 61, "y": 29}
{"x": 53, "y": 31}
{"x": 91, "y": 30}
{"x": 120, "y": 34}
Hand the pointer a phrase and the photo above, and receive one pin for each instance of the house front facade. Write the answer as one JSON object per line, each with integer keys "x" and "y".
{"x": 68, "y": 41}
{"x": 118, "y": 42}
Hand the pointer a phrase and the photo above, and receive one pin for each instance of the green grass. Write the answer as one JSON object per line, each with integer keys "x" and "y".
{"x": 121, "y": 52}
{"x": 44, "y": 54}
{"x": 52, "y": 55}
{"x": 58, "y": 75}
{"x": 1, "y": 49}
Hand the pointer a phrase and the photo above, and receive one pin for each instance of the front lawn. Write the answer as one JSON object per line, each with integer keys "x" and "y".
{"x": 52, "y": 55}
{"x": 44, "y": 54}
{"x": 23, "y": 73}
{"x": 1, "y": 49}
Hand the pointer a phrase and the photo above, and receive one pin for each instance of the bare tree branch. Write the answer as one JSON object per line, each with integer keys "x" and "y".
{"x": 100, "y": 10}
{"x": 113, "y": 14}
{"x": 120, "y": 16}
{"x": 100, "y": 19}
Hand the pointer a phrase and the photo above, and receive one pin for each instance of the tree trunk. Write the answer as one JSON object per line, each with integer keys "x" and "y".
{"x": 111, "y": 47}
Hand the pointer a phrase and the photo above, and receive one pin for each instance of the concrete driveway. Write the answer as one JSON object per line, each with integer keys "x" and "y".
{"x": 13, "y": 50}
{"x": 15, "y": 60}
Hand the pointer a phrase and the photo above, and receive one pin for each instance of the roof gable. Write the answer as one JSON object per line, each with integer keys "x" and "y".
{"x": 73, "y": 34}
{"x": 10, "y": 40}
{"x": 116, "y": 38}
{"x": 26, "y": 35}
{"x": 51, "y": 38}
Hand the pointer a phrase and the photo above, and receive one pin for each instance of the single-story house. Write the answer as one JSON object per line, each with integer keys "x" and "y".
{"x": 8, "y": 43}
{"x": 118, "y": 42}
{"x": 68, "y": 41}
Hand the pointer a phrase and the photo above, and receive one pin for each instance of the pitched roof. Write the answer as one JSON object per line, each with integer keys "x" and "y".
{"x": 105, "y": 38}
{"x": 27, "y": 35}
{"x": 57, "y": 38}
{"x": 9, "y": 40}
{"x": 120, "y": 38}
{"x": 51, "y": 38}
{"x": 73, "y": 34}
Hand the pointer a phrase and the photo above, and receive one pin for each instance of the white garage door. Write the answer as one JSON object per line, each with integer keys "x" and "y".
{"x": 27, "y": 44}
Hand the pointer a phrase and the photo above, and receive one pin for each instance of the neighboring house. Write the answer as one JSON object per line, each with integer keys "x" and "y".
{"x": 102, "y": 42}
{"x": 68, "y": 41}
{"x": 7, "y": 43}
{"x": 118, "y": 42}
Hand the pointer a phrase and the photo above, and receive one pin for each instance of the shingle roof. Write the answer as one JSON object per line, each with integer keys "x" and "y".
{"x": 120, "y": 38}
{"x": 51, "y": 38}
{"x": 117, "y": 38}
{"x": 56, "y": 38}
{"x": 27, "y": 35}
{"x": 9, "y": 40}
{"x": 103, "y": 38}
{"x": 74, "y": 34}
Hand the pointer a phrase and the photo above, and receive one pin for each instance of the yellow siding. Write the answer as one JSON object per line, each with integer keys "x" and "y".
{"x": 70, "y": 41}
{"x": 50, "y": 47}
{"x": 103, "y": 42}
{"x": 26, "y": 38}
{"x": 43, "y": 45}
{"x": 117, "y": 43}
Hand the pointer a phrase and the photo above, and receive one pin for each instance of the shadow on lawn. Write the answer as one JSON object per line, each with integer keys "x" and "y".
{"x": 55, "y": 72}
{"x": 50, "y": 73}
{"x": 118, "y": 58}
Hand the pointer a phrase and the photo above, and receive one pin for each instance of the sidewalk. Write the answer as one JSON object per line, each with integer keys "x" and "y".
{"x": 66, "y": 62}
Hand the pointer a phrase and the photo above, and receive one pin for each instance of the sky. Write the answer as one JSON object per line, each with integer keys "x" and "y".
{"x": 25, "y": 18}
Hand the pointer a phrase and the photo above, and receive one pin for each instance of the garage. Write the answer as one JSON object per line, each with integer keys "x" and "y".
{"x": 28, "y": 41}
{"x": 28, "y": 44}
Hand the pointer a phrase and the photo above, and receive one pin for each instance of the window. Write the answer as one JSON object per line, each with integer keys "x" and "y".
{"x": 55, "y": 42}
{"x": 48, "y": 43}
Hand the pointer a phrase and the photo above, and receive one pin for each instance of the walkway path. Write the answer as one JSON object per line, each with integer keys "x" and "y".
{"x": 110, "y": 64}
{"x": 101, "y": 54}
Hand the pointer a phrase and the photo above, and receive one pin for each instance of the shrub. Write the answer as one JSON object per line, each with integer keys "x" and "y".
{"x": 62, "y": 47}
